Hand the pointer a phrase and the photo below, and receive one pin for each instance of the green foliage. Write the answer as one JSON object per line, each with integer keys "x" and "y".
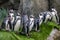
{"x": 42, "y": 35}
{"x": 6, "y": 36}
{"x": 3, "y": 14}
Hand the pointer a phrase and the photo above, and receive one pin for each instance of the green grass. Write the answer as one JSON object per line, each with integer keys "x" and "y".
{"x": 42, "y": 35}
{"x": 6, "y": 36}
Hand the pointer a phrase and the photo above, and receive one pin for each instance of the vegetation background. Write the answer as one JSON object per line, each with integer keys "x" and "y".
{"x": 33, "y": 7}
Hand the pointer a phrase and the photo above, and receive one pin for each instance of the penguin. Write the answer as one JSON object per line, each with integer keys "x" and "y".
{"x": 18, "y": 23}
{"x": 48, "y": 16}
{"x": 55, "y": 17}
{"x": 5, "y": 24}
{"x": 12, "y": 18}
{"x": 31, "y": 22}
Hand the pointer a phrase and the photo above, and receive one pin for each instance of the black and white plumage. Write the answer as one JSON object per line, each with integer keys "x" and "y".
{"x": 55, "y": 17}
{"x": 7, "y": 27}
{"x": 31, "y": 22}
{"x": 18, "y": 23}
{"x": 25, "y": 28}
{"x": 38, "y": 22}
{"x": 51, "y": 16}
{"x": 5, "y": 24}
{"x": 47, "y": 16}
{"x": 41, "y": 17}
{"x": 12, "y": 18}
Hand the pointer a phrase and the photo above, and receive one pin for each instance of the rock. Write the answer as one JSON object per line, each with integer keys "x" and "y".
{"x": 54, "y": 35}
{"x": 33, "y": 6}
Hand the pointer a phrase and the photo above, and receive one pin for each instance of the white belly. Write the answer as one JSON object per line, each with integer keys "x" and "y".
{"x": 47, "y": 17}
{"x": 6, "y": 26}
{"x": 40, "y": 22}
{"x": 53, "y": 13}
{"x": 54, "y": 19}
{"x": 17, "y": 26}
{"x": 12, "y": 20}
{"x": 31, "y": 24}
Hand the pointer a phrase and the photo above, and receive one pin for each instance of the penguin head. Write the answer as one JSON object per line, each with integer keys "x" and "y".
{"x": 11, "y": 11}
{"x": 31, "y": 16}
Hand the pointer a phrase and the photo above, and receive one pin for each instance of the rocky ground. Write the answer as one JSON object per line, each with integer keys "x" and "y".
{"x": 54, "y": 35}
